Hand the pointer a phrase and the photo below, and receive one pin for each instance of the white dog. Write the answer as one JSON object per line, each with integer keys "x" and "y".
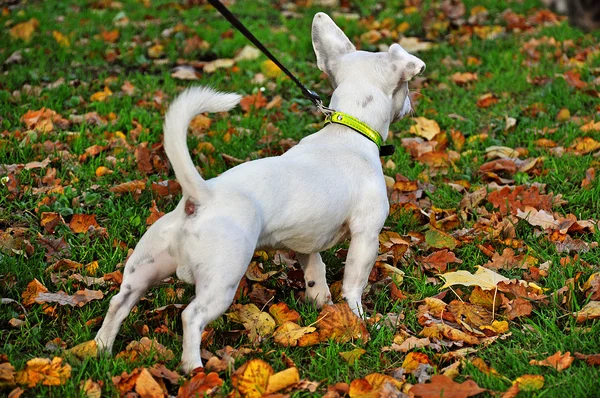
{"x": 327, "y": 188}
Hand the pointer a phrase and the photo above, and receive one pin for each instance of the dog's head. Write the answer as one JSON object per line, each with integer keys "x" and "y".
{"x": 389, "y": 71}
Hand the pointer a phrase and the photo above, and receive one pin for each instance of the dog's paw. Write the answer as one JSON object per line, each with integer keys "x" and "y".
{"x": 187, "y": 367}
{"x": 319, "y": 297}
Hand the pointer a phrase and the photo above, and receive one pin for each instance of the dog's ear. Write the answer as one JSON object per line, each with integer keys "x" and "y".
{"x": 329, "y": 42}
{"x": 407, "y": 64}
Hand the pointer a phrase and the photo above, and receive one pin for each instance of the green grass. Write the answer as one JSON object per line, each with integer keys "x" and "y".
{"x": 85, "y": 69}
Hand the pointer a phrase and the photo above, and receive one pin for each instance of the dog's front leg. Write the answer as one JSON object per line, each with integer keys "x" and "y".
{"x": 317, "y": 290}
{"x": 361, "y": 258}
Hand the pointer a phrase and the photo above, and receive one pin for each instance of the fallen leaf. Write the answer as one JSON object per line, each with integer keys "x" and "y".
{"x": 24, "y": 30}
{"x": 156, "y": 51}
{"x": 282, "y": 313}
{"x": 444, "y": 387}
{"x": 200, "y": 385}
{"x": 413, "y": 360}
{"x": 155, "y": 214}
{"x": 591, "y": 359}
{"x": 130, "y": 186}
{"x": 91, "y": 389}
{"x": 440, "y": 330}
{"x": 483, "y": 277}
{"x": 146, "y": 349}
{"x": 529, "y": 382}
{"x": 7, "y": 375}
{"x": 81, "y": 223}
{"x": 101, "y": 96}
{"x": 256, "y": 101}
{"x": 45, "y": 371}
{"x": 487, "y": 100}
{"x": 590, "y": 311}
{"x": 252, "y": 378}
{"x": 337, "y": 322}
{"x": 283, "y": 379}
{"x": 79, "y": 299}
{"x": 440, "y": 239}
{"x": 462, "y": 78}
{"x": 557, "y": 361}
{"x": 85, "y": 350}
{"x": 373, "y": 385}
{"x": 61, "y": 39}
{"x": 270, "y": 69}
{"x": 425, "y": 128}
{"x": 352, "y": 356}
{"x": 260, "y": 324}
{"x": 32, "y": 290}
{"x": 438, "y": 261}
{"x": 289, "y": 333}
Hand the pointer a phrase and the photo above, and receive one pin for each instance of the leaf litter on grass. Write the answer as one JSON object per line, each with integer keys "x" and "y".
{"x": 427, "y": 269}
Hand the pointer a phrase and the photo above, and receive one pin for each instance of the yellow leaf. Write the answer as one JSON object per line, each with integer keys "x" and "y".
{"x": 88, "y": 349}
{"x": 373, "y": 385}
{"x": 289, "y": 333}
{"x": 425, "y": 128}
{"x": 269, "y": 68}
{"x": 589, "y": 312}
{"x": 24, "y": 30}
{"x": 252, "y": 378}
{"x": 283, "y": 379}
{"x": 156, "y": 51}
{"x": 529, "y": 382}
{"x": 498, "y": 327}
{"x": 100, "y": 96}
{"x": 339, "y": 323}
{"x": 91, "y": 389}
{"x": 260, "y": 324}
{"x": 61, "y": 39}
{"x": 282, "y": 313}
{"x": 483, "y": 277}
{"x": 102, "y": 171}
{"x": 413, "y": 360}
{"x": 352, "y": 356}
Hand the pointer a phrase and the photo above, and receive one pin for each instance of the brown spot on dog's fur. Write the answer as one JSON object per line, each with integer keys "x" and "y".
{"x": 190, "y": 207}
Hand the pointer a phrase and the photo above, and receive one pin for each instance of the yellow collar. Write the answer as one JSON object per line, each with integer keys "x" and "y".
{"x": 362, "y": 128}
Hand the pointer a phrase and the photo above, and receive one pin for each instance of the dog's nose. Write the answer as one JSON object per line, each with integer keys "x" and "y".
{"x": 422, "y": 69}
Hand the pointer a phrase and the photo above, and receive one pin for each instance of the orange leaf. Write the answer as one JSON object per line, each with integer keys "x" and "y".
{"x": 200, "y": 385}
{"x": 374, "y": 385}
{"x": 487, "y": 100}
{"x": 255, "y": 101}
{"x": 438, "y": 261}
{"x": 557, "y": 361}
{"x": 155, "y": 214}
{"x": 252, "y": 378}
{"x": 444, "y": 387}
{"x": 289, "y": 333}
{"x": 101, "y": 96}
{"x": 413, "y": 360}
{"x": 81, "y": 223}
{"x": 91, "y": 389}
{"x": 130, "y": 186}
{"x": 425, "y": 128}
{"x": 44, "y": 371}
{"x": 283, "y": 379}
{"x": 33, "y": 289}
{"x": 464, "y": 78}
{"x": 339, "y": 323}
{"x": 146, "y": 349}
{"x": 282, "y": 313}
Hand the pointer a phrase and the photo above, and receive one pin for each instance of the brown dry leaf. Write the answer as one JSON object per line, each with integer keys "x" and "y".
{"x": 81, "y": 223}
{"x": 24, "y": 30}
{"x": 444, "y": 387}
{"x": 91, "y": 389}
{"x": 352, "y": 356}
{"x": 125, "y": 383}
{"x": 145, "y": 349}
{"x": 79, "y": 299}
{"x": 518, "y": 307}
{"x": 485, "y": 298}
{"x": 252, "y": 378}
{"x": 425, "y": 128}
{"x": 32, "y": 290}
{"x": 45, "y": 371}
{"x": 468, "y": 315}
{"x": 484, "y": 367}
{"x": 487, "y": 100}
{"x": 110, "y": 36}
{"x": 411, "y": 343}
{"x": 289, "y": 333}
{"x": 591, "y": 287}
{"x": 557, "y": 361}
{"x": 282, "y": 313}
{"x": 590, "y": 126}
{"x": 462, "y": 78}
{"x": 374, "y": 385}
{"x": 147, "y": 387}
{"x": 438, "y": 261}
{"x": 573, "y": 79}
{"x": 255, "y": 273}
{"x": 155, "y": 214}
{"x": 439, "y": 330}
{"x": 256, "y": 101}
{"x": 101, "y": 171}
{"x": 590, "y": 311}
{"x": 156, "y": 51}
{"x": 538, "y": 218}
{"x": 200, "y": 385}
{"x": 130, "y": 186}
{"x": 200, "y": 123}
{"x": 590, "y": 359}
{"x": 413, "y": 360}
{"x": 51, "y": 220}
{"x": 142, "y": 156}
{"x": 101, "y": 96}
{"x": 339, "y": 323}
{"x": 7, "y": 375}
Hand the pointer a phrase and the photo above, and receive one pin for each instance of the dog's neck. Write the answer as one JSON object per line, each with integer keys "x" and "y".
{"x": 367, "y": 104}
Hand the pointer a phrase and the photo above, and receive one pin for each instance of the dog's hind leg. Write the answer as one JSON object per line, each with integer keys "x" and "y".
{"x": 149, "y": 263}
{"x": 317, "y": 290}
{"x": 361, "y": 258}
{"x": 219, "y": 268}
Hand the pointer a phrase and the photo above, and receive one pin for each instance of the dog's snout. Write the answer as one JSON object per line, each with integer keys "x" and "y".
{"x": 422, "y": 69}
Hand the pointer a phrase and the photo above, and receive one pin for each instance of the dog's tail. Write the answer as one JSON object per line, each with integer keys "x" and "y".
{"x": 188, "y": 104}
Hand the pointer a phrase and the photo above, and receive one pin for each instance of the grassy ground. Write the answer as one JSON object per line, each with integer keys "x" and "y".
{"x": 504, "y": 70}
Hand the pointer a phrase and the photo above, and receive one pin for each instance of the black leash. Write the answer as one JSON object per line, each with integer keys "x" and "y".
{"x": 385, "y": 150}
{"x": 311, "y": 95}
